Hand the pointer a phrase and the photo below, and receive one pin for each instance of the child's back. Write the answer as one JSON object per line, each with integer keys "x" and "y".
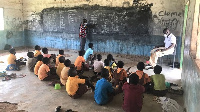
{"x": 31, "y": 61}
{"x": 79, "y": 61}
{"x": 88, "y": 52}
{"x": 38, "y": 64}
{"x": 37, "y": 51}
{"x": 133, "y": 95}
{"x": 143, "y": 77}
{"x": 61, "y": 53}
{"x": 60, "y": 65}
{"x": 64, "y": 73}
{"x": 98, "y": 64}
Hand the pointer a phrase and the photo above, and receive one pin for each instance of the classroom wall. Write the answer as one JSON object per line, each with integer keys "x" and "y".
{"x": 13, "y": 33}
{"x": 190, "y": 71}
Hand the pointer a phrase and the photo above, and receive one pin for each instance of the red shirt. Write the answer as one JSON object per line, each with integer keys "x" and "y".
{"x": 82, "y": 33}
{"x": 133, "y": 97}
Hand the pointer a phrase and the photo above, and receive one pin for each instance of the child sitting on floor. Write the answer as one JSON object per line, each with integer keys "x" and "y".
{"x": 64, "y": 73}
{"x": 89, "y": 55}
{"x": 143, "y": 77}
{"x": 98, "y": 65}
{"x": 44, "y": 71}
{"x": 119, "y": 74}
{"x": 38, "y": 64}
{"x": 37, "y": 51}
{"x": 12, "y": 64}
{"x": 104, "y": 91}
{"x": 79, "y": 62}
{"x": 61, "y": 53}
{"x": 158, "y": 82}
{"x": 111, "y": 60}
{"x": 75, "y": 86}
{"x": 31, "y": 61}
{"x": 133, "y": 94}
{"x": 106, "y": 63}
{"x": 45, "y": 52}
{"x": 60, "y": 65}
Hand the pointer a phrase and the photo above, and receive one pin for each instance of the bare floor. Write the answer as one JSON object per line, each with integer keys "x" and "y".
{"x": 34, "y": 95}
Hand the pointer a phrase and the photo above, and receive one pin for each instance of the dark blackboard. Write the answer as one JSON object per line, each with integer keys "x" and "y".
{"x": 101, "y": 20}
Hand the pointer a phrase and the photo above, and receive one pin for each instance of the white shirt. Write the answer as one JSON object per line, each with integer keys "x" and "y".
{"x": 98, "y": 65}
{"x": 169, "y": 40}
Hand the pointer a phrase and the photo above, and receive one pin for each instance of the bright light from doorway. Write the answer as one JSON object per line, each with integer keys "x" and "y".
{"x": 1, "y": 19}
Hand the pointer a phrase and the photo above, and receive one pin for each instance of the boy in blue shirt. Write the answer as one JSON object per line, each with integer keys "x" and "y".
{"x": 89, "y": 54}
{"x": 104, "y": 91}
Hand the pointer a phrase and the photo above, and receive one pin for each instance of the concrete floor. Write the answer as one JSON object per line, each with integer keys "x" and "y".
{"x": 34, "y": 95}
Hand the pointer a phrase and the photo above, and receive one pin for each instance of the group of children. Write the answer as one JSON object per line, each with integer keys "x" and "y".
{"x": 114, "y": 78}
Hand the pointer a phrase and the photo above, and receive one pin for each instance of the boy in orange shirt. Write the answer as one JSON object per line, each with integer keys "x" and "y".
{"x": 79, "y": 62}
{"x": 44, "y": 71}
{"x": 12, "y": 64}
{"x": 60, "y": 65}
{"x": 75, "y": 86}
{"x": 61, "y": 53}
{"x": 37, "y": 51}
{"x": 64, "y": 73}
{"x": 144, "y": 79}
{"x": 120, "y": 74}
{"x": 38, "y": 64}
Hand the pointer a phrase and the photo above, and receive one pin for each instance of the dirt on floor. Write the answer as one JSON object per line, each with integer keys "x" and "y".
{"x": 9, "y": 107}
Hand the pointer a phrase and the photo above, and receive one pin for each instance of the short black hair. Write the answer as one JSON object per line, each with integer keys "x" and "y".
{"x": 157, "y": 69}
{"x": 72, "y": 72}
{"x": 30, "y": 54}
{"x": 165, "y": 30}
{"x": 67, "y": 63}
{"x": 90, "y": 45}
{"x": 61, "y": 52}
{"x": 61, "y": 59}
{"x": 37, "y": 47}
{"x": 45, "y": 60}
{"x": 110, "y": 57}
{"x": 140, "y": 66}
{"x": 133, "y": 79}
{"x": 39, "y": 57}
{"x": 44, "y": 50}
{"x": 80, "y": 53}
{"x": 84, "y": 20}
{"x": 120, "y": 64}
{"x": 104, "y": 73}
{"x": 106, "y": 62}
{"x": 99, "y": 57}
{"x": 12, "y": 51}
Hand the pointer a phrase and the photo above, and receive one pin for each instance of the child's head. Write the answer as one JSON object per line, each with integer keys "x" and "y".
{"x": 37, "y": 47}
{"x": 133, "y": 79}
{"x": 61, "y": 59}
{"x": 61, "y": 52}
{"x": 67, "y": 63}
{"x": 45, "y": 50}
{"x": 45, "y": 60}
{"x": 157, "y": 69}
{"x": 12, "y": 51}
{"x": 106, "y": 62}
{"x": 120, "y": 64}
{"x": 104, "y": 73}
{"x": 140, "y": 66}
{"x": 99, "y": 57}
{"x": 80, "y": 53}
{"x": 110, "y": 57}
{"x": 90, "y": 45}
{"x": 30, "y": 54}
{"x": 39, "y": 57}
{"x": 72, "y": 72}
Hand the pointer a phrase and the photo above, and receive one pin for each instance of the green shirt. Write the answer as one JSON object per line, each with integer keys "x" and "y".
{"x": 159, "y": 81}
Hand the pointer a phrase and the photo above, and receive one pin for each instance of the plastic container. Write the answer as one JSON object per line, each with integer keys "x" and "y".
{"x": 57, "y": 86}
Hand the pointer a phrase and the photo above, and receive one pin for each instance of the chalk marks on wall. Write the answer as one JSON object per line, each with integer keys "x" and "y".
{"x": 13, "y": 23}
{"x": 169, "y": 19}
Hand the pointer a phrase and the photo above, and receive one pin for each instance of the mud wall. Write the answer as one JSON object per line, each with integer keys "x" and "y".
{"x": 13, "y": 33}
{"x": 191, "y": 71}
